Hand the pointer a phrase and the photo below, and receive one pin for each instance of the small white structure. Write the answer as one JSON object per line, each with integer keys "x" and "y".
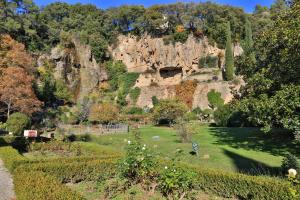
{"x": 30, "y": 133}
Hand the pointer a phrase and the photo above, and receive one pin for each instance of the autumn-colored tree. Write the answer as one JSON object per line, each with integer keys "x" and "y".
{"x": 13, "y": 54}
{"x": 180, "y": 29}
{"x": 104, "y": 113}
{"x": 185, "y": 92}
{"x": 16, "y": 91}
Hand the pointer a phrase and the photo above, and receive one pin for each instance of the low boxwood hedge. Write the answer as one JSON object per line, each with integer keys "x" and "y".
{"x": 10, "y": 157}
{"x": 243, "y": 186}
{"x": 36, "y": 185}
{"x": 74, "y": 171}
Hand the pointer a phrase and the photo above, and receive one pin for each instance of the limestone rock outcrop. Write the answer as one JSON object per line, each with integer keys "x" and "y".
{"x": 163, "y": 66}
{"x": 76, "y": 66}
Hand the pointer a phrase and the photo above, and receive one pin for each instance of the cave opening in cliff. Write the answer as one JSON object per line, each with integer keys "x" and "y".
{"x": 169, "y": 72}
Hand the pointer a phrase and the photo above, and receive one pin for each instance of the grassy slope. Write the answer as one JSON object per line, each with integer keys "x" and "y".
{"x": 235, "y": 149}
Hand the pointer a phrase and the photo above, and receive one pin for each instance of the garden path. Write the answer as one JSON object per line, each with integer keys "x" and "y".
{"x": 6, "y": 184}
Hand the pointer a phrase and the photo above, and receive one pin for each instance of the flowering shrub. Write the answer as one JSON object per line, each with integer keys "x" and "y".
{"x": 175, "y": 181}
{"x": 138, "y": 165}
{"x": 295, "y": 183}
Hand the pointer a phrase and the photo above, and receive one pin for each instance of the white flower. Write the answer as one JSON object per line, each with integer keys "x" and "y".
{"x": 143, "y": 148}
{"x": 129, "y": 142}
{"x": 292, "y": 173}
{"x": 174, "y": 170}
{"x": 166, "y": 167}
{"x": 144, "y": 145}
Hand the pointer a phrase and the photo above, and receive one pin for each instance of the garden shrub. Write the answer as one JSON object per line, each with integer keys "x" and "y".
{"x": 227, "y": 184}
{"x": 73, "y": 171}
{"x": 176, "y": 182}
{"x": 104, "y": 113}
{"x": 169, "y": 110}
{"x": 222, "y": 115}
{"x": 139, "y": 165}
{"x": 215, "y": 99}
{"x": 10, "y": 157}
{"x": 38, "y": 185}
{"x": 17, "y": 123}
{"x": 290, "y": 162}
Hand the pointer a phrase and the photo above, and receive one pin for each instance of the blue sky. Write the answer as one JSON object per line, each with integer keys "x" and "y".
{"x": 248, "y": 5}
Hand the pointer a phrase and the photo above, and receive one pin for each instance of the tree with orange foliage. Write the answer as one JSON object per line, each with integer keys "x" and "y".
{"x": 16, "y": 91}
{"x": 104, "y": 113}
{"x": 180, "y": 29}
{"x": 185, "y": 92}
{"x": 13, "y": 54}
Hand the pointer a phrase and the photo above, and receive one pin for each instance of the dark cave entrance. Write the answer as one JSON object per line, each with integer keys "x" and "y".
{"x": 169, "y": 72}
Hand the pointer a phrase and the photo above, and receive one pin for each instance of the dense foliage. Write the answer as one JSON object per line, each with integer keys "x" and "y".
{"x": 271, "y": 98}
{"x": 167, "y": 111}
{"x": 17, "y": 123}
{"x": 39, "y": 28}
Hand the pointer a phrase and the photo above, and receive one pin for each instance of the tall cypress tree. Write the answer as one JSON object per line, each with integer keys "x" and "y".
{"x": 229, "y": 59}
{"x": 249, "y": 51}
{"x": 248, "y": 35}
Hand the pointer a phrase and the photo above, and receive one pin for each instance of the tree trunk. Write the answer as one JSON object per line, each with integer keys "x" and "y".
{"x": 8, "y": 108}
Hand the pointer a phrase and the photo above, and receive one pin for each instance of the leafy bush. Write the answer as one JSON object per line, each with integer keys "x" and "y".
{"x": 62, "y": 92}
{"x": 126, "y": 81}
{"x": 134, "y": 111}
{"x": 222, "y": 116}
{"x": 138, "y": 165}
{"x": 17, "y": 123}
{"x": 114, "y": 70}
{"x": 104, "y": 113}
{"x": 135, "y": 93}
{"x": 184, "y": 130}
{"x": 155, "y": 101}
{"x": 176, "y": 182}
{"x": 190, "y": 116}
{"x": 290, "y": 162}
{"x": 214, "y": 98}
{"x": 169, "y": 110}
{"x": 180, "y": 36}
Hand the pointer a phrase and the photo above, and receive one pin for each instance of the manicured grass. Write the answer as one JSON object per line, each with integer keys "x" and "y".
{"x": 231, "y": 149}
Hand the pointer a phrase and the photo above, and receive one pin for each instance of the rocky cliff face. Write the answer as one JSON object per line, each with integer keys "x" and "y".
{"x": 162, "y": 67}
{"x": 76, "y": 66}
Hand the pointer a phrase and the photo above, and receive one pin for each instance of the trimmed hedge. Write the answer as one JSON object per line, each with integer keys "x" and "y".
{"x": 243, "y": 186}
{"x": 42, "y": 179}
{"x": 35, "y": 185}
{"x": 74, "y": 171}
{"x": 11, "y": 157}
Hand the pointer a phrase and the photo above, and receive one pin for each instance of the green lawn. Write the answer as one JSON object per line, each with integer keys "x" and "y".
{"x": 231, "y": 149}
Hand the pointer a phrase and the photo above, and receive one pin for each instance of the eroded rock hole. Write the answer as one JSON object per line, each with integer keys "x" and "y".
{"x": 169, "y": 72}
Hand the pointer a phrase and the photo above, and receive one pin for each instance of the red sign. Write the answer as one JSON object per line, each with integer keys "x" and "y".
{"x": 30, "y": 133}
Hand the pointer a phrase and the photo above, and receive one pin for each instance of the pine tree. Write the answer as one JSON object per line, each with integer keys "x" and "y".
{"x": 229, "y": 62}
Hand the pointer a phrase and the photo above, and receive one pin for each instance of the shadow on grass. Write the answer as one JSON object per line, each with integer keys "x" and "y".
{"x": 250, "y": 166}
{"x": 278, "y": 143}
